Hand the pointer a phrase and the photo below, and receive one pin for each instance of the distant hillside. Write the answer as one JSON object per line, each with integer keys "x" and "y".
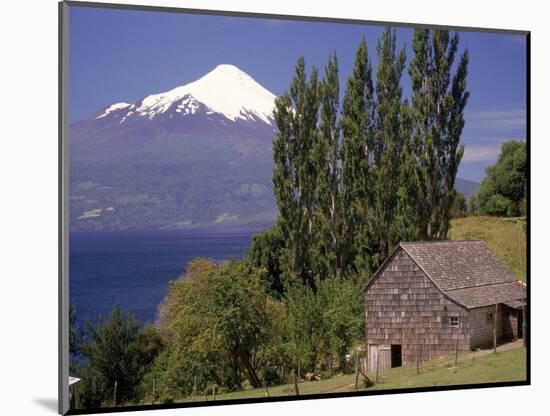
{"x": 500, "y": 235}
{"x": 466, "y": 187}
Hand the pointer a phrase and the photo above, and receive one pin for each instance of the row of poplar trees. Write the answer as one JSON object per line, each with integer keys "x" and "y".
{"x": 352, "y": 179}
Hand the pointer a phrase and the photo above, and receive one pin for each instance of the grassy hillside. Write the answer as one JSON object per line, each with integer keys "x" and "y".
{"x": 504, "y": 366}
{"x": 504, "y": 238}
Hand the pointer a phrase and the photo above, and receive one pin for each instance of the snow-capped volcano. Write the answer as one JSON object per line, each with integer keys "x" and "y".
{"x": 226, "y": 91}
{"x": 197, "y": 155}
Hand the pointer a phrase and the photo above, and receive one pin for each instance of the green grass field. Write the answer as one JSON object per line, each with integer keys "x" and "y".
{"x": 501, "y": 236}
{"x": 504, "y": 366}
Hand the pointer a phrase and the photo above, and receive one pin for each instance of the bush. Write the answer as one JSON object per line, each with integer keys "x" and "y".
{"x": 271, "y": 376}
{"x": 117, "y": 351}
{"x": 503, "y": 191}
{"x": 498, "y": 205}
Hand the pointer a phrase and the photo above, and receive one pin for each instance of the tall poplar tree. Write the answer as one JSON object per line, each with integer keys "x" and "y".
{"x": 357, "y": 125}
{"x": 294, "y": 174}
{"x": 407, "y": 219}
{"x": 388, "y": 146}
{"x": 327, "y": 192}
{"x": 438, "y": 102}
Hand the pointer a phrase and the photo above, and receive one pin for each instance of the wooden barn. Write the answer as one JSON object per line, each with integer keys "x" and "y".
{"x": 434, "y": 298}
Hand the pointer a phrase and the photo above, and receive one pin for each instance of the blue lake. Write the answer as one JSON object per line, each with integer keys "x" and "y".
{"x": 133, "y": 269}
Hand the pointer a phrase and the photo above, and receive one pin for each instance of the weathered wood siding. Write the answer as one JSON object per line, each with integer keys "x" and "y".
{"x": 382, "y": 353}
{"x": 481, "y": 328}
{"x": 403, "y": 306}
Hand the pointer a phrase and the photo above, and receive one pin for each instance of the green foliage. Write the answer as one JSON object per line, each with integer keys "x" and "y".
{"x": 265, "y": 253}
{"x": 324, "y": 323}
{"x": 388, "y": 152}
{"x": 437, "y": 111}
{"x": 117, "y": 351}
{"x": 326, "y": 248}
{"x": 304, "y": 325}
{"x": 75, "y": 333}
{"x": 350, "y": 185}
{"x": 460, "y": 206}
{"x": 219, "y": 324}
{"x": 92, "y": 391}
{"x": 357, "y": 138}
{"x": 294, "y": 173}
{"x": 342, "y": 310}
{"x": 502, "y": 192}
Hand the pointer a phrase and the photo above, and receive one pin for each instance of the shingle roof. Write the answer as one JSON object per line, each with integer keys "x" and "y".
{"x": 458, "y": 264}
{"x": 466, "y": 271}
{"x": 477, "y": 296}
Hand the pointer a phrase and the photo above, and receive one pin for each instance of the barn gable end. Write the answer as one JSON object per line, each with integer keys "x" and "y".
{"x": 404, "y": 308}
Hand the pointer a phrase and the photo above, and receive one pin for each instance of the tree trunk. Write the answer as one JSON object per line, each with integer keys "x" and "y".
{"x": 251, "y": 373}
{"x": 236, "y": 376}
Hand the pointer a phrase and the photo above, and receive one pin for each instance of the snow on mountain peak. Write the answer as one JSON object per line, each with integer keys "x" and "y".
{"x": 226, "y": 90}
{"x": 113, "y": 107}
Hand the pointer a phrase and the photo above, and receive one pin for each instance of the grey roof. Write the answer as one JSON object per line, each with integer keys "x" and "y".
{"x": 458, "y": 264}
{"x": 466, "y": 271}
{"x": 477, "y": 296}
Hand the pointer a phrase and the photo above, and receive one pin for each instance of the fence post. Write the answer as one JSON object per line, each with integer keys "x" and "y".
{"x": 356, "y": 370}
{"x": 495, "y": 329}
{"x": 377, "y": 363}
{"x": 456, "y": 350}
{"x": 295, "y": 380}
{"x": 416, "y": 356}
{"x": 114, "y": 394}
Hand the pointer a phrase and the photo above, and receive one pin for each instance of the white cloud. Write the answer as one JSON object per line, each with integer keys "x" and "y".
{"x": 483, "y": 153}
{"x": 497, "y": 119}
{"x": 480, "y": 153}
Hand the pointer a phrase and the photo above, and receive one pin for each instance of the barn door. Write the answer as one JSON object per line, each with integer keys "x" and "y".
{"x": 379, "y": 357}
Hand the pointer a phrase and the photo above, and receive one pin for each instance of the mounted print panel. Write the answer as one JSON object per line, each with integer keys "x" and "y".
{"x": 266, "y": 208}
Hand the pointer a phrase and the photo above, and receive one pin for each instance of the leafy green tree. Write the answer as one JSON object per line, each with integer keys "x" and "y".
{"x": 266, "y": 253}
{"x": 92, "y": 391}
{"x": 306, "y": 327}
{"x": 294, "y": 174}
{"x": 118, "y": 351}
{"x": 503, "y": 190}
{"x": 358, "y": 124}
{"x": 75, "y": 333}
{"x": 460, "y": 206}
{"x": 438, "y": 101}
{"x": 219, "y": 320}
{"x": 341, "y": 305}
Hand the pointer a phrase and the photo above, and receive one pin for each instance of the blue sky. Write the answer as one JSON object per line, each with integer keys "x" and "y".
{"x": 122, "y": 55}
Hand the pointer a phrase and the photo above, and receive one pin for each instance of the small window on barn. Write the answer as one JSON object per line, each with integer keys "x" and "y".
{"x": 454, "y": 322}
{"x": 490, "y": 318}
